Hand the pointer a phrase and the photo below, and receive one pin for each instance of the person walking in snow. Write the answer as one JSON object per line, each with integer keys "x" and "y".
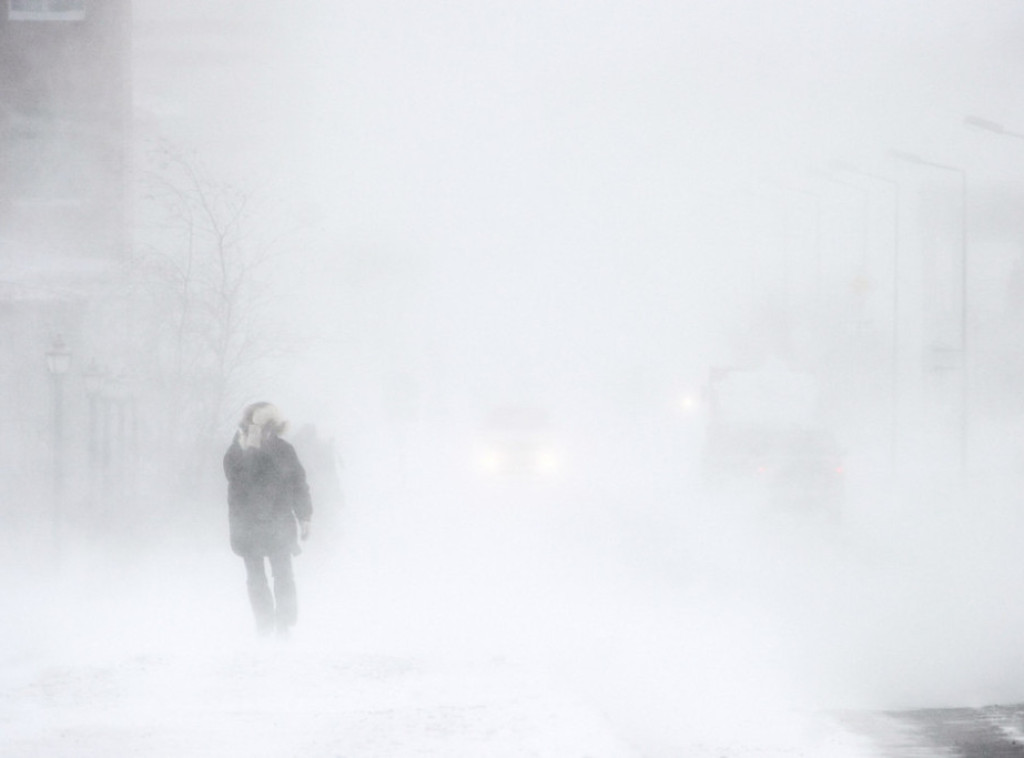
{"x": 268, "y": 508}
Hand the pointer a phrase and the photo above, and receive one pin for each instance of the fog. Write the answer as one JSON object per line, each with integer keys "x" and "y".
{"x": 577, "y": 211}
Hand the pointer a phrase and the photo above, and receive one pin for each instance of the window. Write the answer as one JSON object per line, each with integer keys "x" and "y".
{"x": 46, "y": 10}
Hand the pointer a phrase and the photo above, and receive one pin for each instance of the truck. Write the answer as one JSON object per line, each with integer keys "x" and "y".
{"x": 765, "y": 429}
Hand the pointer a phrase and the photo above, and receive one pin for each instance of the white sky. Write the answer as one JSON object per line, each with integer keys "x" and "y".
{"x": 585, "y": 160}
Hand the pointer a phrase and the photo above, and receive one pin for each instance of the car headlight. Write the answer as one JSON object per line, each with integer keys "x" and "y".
{"x": 687, "y": 404}
{"x": 491, "y": 461}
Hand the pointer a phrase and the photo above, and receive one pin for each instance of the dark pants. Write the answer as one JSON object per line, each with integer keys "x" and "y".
{"x": 277, "y": 610}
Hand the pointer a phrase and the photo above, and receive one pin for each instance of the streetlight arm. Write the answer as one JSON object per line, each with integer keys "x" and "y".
{"x": 984, "y": 124}
{"x": 976, "y": 122}
{"x": 918, "y": 160}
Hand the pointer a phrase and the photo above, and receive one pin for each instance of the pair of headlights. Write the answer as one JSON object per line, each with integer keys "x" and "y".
{"x": 538, "y": 460}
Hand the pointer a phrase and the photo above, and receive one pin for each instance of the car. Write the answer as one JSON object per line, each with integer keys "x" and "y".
{"x": 517, "y": 442}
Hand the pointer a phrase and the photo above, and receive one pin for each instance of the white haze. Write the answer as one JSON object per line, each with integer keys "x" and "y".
{"x": 578, "y": 206}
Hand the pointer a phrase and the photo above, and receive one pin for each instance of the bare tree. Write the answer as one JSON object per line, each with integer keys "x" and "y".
{"x": 200, "y": 300}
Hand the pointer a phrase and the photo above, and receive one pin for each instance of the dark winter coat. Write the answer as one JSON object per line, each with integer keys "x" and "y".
{"x": 267, "y": 492}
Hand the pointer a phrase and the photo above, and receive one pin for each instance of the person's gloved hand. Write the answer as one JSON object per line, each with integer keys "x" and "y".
{"x": 304, "y": 530}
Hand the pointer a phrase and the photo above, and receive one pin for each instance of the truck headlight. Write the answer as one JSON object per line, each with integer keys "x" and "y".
{"x": 547, "y": 461}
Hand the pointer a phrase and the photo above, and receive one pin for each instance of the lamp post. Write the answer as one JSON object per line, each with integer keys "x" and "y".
{"x": 58, "y": 363}
{"x": 94, "y": 381}
{"x": 894, "y": 357}
{"x": 917, "y": 160}
{"x": 117, "y": 392}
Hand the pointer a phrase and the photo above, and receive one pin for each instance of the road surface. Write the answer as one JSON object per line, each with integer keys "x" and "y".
{"x": 991, "y": 732}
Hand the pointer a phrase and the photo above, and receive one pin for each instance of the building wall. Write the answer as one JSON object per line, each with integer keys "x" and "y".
{"x": 65, "y": 105}
{"x": 64, "y": 117}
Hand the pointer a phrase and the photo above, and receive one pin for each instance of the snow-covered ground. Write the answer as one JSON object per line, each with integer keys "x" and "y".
{"x": 523, "y": 619}
{"x": 295, "y": 702}
{"x": 506, "y": 639}
{"x": 289, "y": 701}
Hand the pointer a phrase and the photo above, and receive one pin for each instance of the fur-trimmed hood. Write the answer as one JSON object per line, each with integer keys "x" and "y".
{"x": 259, "y": 422}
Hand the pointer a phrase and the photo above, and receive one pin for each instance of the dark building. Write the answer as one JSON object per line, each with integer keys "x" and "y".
{"x": 65, "y": 108}
{"x": 65, "y": 103}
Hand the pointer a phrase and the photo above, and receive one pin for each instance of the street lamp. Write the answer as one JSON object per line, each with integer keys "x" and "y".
{"x": 94, "y": 380}
{"x": 895, "y": 354}
{"x": 58, "y": 363}
{"x": 917, "y": 160}
{"x": 58, "y": 358}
